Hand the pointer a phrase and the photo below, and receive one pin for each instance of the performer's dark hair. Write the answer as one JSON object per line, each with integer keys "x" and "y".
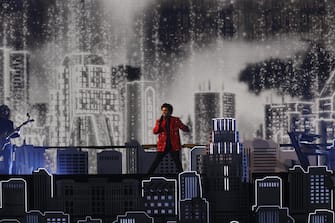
{"x": 4, "y": 111}
{"x": 168, "y": 106}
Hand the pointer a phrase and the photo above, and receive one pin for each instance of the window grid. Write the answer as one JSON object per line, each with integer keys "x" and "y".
{"x": 319, "y": 194}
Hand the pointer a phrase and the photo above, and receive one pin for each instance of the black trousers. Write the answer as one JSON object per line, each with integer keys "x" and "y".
{"x": 159, "y": 158}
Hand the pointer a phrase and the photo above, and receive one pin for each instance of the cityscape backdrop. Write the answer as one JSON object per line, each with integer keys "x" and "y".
{"x": 253, "y": 79}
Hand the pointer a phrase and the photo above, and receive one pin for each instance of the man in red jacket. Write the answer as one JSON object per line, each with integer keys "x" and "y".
{"x": 168, "y": 139}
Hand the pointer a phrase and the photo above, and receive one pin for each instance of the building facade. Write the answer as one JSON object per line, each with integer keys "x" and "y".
{"x": 134, "y": 217}
{"x": 15, "y": 81}
{"x": 269, "y": 201}
{"x": 107, "y": 197}
{"x": 290, "y": 116}
{"x": 208, "y": 105}
{"x": 86, "y": 109}
{"x": 269, "y": 192}
{"x": 109, "y": 162}
{"x": 196, "y": 154}
{"x": 89, "y": 219}
{"x": 309, "y": 190}
{"x": 325, "y": 124}
{"x": 160, "y": 198}
{"x": 141, "y": 111}
{"x": 13, "y": 198}
{"x": 263, "y": 155}
{"x": 228, "y": 105}
{"x": 192, "y": 206}
{"x": 321, "y": 216}
{"x": 72, "y": 161}
{"x": 273, "y": 214}
{"x": 43, "y": 190}
{"x": 225, "y": 173}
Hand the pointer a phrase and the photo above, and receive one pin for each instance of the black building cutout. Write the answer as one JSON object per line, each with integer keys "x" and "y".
{"x": 109, "y": 162}
{"x": 47, "y": 217}
{"x": 193, "y": 208}
{"x": 224, "y": 174}
{"x": 195, "y": 154}
{"x": 89, "y": 219}
{"x": 94, "y": 195}
{"x": 13, "y": 198}
{"x": 321, "y": 216}
{"x": 134, "y": 217}
{"x": 274, "y": 214}
{"x": 268, "y": 206}
{"x": 14, "y": 205}
{"x": 72, "y": 161}
{"x": 42, "y": 190}
{"x": 310, "y": 190}
{"x": 160, "y": 198}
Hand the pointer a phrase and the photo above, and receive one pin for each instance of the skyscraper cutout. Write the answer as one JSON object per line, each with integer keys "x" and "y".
{"x": 269, "y": 201}
{"x": 225, "y": 173}
{"x": 193, "y": 208}
{"x": 160, "y": 197}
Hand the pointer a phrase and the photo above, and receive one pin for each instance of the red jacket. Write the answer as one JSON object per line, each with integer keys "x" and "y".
{"x": 175, "y": 125}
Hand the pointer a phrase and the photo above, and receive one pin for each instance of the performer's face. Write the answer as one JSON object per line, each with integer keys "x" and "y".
{"x": 165, "y": 112}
